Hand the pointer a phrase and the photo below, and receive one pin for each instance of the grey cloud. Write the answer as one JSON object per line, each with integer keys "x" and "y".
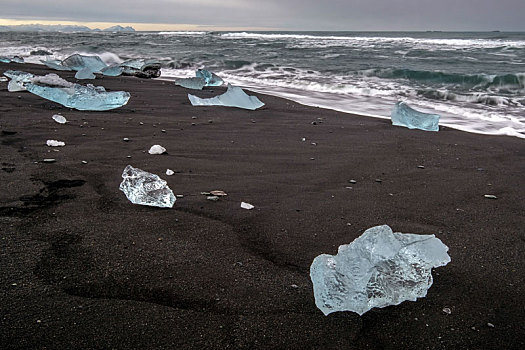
{"x": 286, "y": 14}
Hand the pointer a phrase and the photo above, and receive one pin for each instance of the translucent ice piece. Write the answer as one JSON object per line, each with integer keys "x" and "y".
{"x": 378, "y": 269}
{"x": 85, "y": 73}
{"x": 156, "y": 149}
{"x": 112, "y": 71}
{"x": 247, "y": 206}
{"x": 14, "y": 86}
{"x": 84, "y": 98}
{"x": 233, "y": 97}
{"x": 144, "y": 188}
{"x": 191, "y": 83}
{"x": 55, "y": 64}
{"x": 5, "y": 60}
{"x": 59, "y": 119}
{"x": 15, "y": 59}
{"x": 403, "y": 115}
{"x": 141, "y": 68}
{"x": 79, "y": 62}
{"x": 55, "y": 143}
{"x": 211, "y": 78}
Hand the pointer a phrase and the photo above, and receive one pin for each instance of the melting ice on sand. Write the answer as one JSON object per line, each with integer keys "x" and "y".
{"x": 56, "y": 89}
{"x": 233, "y": 97}
{"x": 144, "y": 188}
{"x": 378, "y": 269}
{"x": 403, "y": 115}
{"x": 210, "y": 78}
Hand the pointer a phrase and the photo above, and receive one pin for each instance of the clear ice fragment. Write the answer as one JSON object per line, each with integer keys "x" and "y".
{"x": 14, "y": 86}
{"x": 144, "y": 188}
{"x": 55, "y": 143}
{"x": 80, "y": 62}
{"x": 55, "y": 64}
{"x": 169, "y": 172}
{"x": 233, "y": 97}
{"x": 156, "y": 149}
{"x": 378, "y": 269}
{"x": 247, "y": 206}
{"x": 14, "y": 59}
{"x": 84, "y": 98}
{"x": 112, "y": 71}
{"x": 59, "y": 119}
{"x": 210, "y": 78}
{"x": 85, "y": 73}
{"x": 191, "y": 83}
{"x": 403, "y": 115}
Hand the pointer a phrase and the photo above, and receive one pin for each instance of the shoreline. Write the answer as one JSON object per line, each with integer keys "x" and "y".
{"x": 82, "y": 267}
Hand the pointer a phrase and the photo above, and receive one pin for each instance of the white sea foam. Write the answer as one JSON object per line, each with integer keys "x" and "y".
{"x": 183, "y": 33}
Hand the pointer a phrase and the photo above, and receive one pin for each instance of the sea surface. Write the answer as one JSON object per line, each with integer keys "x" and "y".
{"x": 475, "y": 81}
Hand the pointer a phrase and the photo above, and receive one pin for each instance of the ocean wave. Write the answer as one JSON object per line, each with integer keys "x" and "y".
{"x": 184, "y": 33}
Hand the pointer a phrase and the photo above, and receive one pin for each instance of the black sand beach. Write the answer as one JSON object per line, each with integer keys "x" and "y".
{"x": 81, "y": 267}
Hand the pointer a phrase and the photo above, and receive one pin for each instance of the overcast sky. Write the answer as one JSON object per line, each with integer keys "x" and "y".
{"x": 462, "y": 15}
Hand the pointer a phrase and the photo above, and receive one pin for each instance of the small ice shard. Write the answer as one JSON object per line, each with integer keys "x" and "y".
{"x": 211, "y": 79}
{"x": 80, "y": 62}
{"x": 112, "y": 71}
{"x": 156, "y": 149}
{"x": 403, "y": 115}
{"x": 85, "y": 73}
{"x": 55, "y": 143}
{"x": 490, "y": 196}
{"x": 144, "y": 188}
{"x": 248, "y": 206}
{"x": 191, "y": 83}
{"x": 59, "y": 119}
{"x": 233, "y": 97}
{"x": 3, "y": 79}
{"x": 378, "y": 269}
{"x": 14, "y": 86}
{"x": 218, "y": 193}
{"x": 56, "y": 89}
{"x": 55, "y": 64}
{"x": 169, "y": 172}
{"x": 141, "y": 68}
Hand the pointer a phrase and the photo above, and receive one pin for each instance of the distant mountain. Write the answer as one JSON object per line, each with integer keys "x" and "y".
{"x": 60, "y": 28}
{"x": 118, "y": 28}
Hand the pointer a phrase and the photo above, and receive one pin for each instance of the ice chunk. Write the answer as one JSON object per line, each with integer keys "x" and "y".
{"x": 169, "y": 172}
{"x": 403, "y": 115}
{"x": 248, "y": 206}
{"x": 80, "y": 62}
{"x": 378, "y": 269}
{"x": 15, "y": 59}
{"x": 141, "y": 68}
{"x": 210, "y": 78}
{"x": 144, "y": 188}
{"x": 5, "y": 60}
{"x": 59, "y": 119}
{"x": 85, "y": 73}
{"x": 55, "y": 143}
{"x": 112, "y": 71}
{"x": 3, "y": 79}
{"x": 156, "y": 149}
{"x": 191, "y": 83}
{"x": 14, "y": 86}
{"x": 55, "y": 64}
{"x": 84, "y": 98}
{"x": 233, "y": 97}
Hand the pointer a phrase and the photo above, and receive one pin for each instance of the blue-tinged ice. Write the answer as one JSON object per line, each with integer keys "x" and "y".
{"x": 211, "y": 78}
{"x": 112, "y": 71}
{"x": 84, "y": 98}
{"x": 403, "y": 115}
{"x": 233, "y": 97}
{"x": 378, "y": 269}
{"x": 55, "y": 64}
{"x": 191, "y": 83}
{"x": 14, "y": 59}
{"x": 80, "y": 62}
{"x": 141, "y": 68}
{"x": 144, "y": 188}
{"x": 85, "y": 73}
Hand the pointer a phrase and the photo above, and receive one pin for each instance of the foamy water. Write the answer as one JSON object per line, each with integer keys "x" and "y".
{"x": 475, "y": 81}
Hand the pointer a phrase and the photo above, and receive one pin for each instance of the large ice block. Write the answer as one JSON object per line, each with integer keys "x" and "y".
{"x": 191, "y": 83}
{"x": 84, "y": 98}
{"x": 233, "y": 97}
{"x": 378, "y": 269}
{"x": 112, "y": 71}
{"x": 80, "y": 62}
{"x": 210, "y": 78}
{"x": 403, "y": 115}
{"x": 144, "y": 188}
{"x": 55, "y": 64}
